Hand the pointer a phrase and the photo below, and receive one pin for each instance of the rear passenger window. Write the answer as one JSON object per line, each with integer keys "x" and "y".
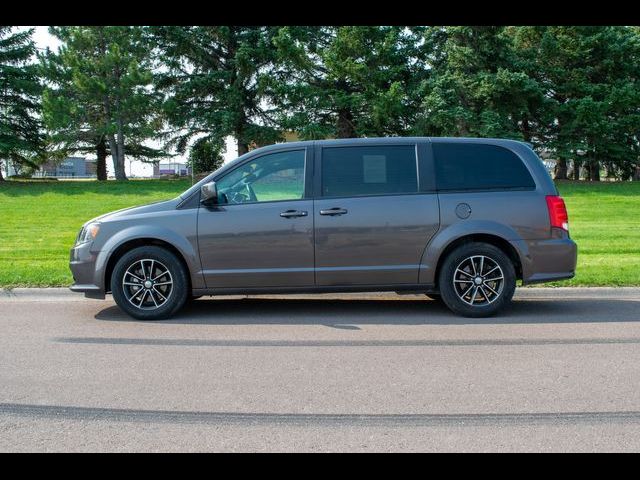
{"x": 353, "y": 171}
{"x": 468, "y": 166}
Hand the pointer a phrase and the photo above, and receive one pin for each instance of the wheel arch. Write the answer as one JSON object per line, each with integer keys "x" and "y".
{"x": 129, "y": 245}
{"x": 491, "y": 239}
{"x": 435, "y": 256}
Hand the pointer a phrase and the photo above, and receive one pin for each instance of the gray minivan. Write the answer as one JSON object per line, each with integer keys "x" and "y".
{"x": 458, "y": 219}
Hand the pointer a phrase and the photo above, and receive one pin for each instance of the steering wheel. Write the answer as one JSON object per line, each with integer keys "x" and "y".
{"x": 242, "y": 195}
{"x": 252, "y": 194}
{"x": 234, "y": 198}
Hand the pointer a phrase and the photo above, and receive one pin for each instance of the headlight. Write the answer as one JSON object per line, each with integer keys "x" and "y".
{"x": 88, "y": 233}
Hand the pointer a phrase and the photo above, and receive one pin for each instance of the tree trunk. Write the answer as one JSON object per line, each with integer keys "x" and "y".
{"x": 107, "y": 111}
{"x": 1, "y": 177}
{"x": 561, "y": 169}
{"x": 113, "y": 147}
{"x": 236, "y": 85}
{"x": 101, "y": 162}
{"x": 576, "y": 169}
{"x": 594, "y": 170}
{"x": 526, "y": 130}
{"x": 120, "y": 171}
{"x": 636, "y": 174}
{"x": 243, "y": 146}
{"x": 117, "y": 146}
{"x": 118, "y": 167}
{"x": 462, "y": 129}
{"x": 345, "y": 124}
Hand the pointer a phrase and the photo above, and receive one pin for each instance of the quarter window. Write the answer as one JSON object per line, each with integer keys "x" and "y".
{"x": 354, "y": 171}
{"x": 469, "y": 166}
{"x": 273, "y": 177}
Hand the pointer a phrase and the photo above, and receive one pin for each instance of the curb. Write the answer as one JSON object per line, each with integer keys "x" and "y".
{"x": 51, "y": 294}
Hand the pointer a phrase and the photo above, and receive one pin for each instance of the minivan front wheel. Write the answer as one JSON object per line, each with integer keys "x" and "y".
{"x": 149, "y": 283}
{"x": 477, "y": 280}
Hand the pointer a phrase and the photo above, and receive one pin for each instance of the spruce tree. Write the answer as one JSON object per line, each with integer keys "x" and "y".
{"x": 348, "y": 81}
{"x": 21, "y": 139}
{"x": 100, "y": 94}
{"x": 479, "y": 87}
{"x": 211, "y": 77}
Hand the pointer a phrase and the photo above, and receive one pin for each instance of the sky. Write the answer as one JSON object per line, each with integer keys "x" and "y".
{"x": 44, "y": 39}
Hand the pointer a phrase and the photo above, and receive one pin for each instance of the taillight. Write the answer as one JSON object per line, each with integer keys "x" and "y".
{"x": 557, "y": 212}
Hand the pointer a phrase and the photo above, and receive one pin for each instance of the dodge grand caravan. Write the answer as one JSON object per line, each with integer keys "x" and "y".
{"x": 460, "y": 220}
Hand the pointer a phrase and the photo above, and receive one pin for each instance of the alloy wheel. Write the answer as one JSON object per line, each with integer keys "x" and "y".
{"x": 147, "y": 284}
{"x": 478, "y": 280}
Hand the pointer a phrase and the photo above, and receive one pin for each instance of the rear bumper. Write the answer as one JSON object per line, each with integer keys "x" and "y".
{"x": 82, "y": 263}
{"x": 547, "y": 260}
{"x": 90, "y": 291}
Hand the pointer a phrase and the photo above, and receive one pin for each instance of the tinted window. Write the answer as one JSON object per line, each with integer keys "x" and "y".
{"x": 352, "y": 171}
{"x": 273, "y": 177}
{"x": 467, "y": 166}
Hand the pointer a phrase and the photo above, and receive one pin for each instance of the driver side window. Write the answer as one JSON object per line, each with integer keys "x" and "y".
{"x": 272, "y": 177}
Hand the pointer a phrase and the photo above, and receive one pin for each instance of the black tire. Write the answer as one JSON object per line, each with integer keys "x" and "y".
{"x": 481, "y": 299}
{"x": 173, "y": 285}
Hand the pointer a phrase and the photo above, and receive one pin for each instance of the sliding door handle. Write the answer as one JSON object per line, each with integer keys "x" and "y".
{"x": 334, "y": 211}
{"x": 293, "y": 213}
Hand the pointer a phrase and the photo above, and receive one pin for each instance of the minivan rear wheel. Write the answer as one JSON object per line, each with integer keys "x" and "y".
{"x": 149, "y": 283}
{"x": 477, "y": 280}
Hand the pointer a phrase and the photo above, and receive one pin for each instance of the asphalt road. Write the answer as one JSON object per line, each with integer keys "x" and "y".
{"x": 558, "y": 371}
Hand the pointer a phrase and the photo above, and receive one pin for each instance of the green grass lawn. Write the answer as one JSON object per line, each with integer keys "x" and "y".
{"x": 39, "y": 222}
{"x": 604, "y": 220}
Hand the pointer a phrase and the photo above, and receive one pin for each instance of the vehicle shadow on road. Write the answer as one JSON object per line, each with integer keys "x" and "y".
{"x": 349, "y": 313}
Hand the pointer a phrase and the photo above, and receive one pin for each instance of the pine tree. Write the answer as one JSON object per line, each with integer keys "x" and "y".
{"x": 479, "y": 87}
{"x": 21, "y": 139}
{"x": 74, "y": 124}
{"x": 212, "y": 82}
{"x": 592, "y": 77}
{"x": 346, "y": 81}
{"x": 100, "y": 94}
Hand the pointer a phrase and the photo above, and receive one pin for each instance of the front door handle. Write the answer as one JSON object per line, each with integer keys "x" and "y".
{"x": 334, "y": 211}
{"x": 293, "y": 213}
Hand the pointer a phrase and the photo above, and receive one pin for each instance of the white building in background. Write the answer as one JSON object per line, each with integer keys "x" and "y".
{"x": 7, "y": 169}
{"x": 70, "y": 167}
{"x": 171, "y": 168}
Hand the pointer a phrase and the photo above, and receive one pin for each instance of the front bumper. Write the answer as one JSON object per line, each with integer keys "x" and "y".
{"x": 82, "y": 263}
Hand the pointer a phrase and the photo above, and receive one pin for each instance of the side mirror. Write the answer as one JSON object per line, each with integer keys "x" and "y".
{"x": 209, "y": 193}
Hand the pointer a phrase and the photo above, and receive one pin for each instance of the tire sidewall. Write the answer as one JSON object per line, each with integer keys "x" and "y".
{"x": 179, "y": 292}
{"x": 445, "y": 280}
